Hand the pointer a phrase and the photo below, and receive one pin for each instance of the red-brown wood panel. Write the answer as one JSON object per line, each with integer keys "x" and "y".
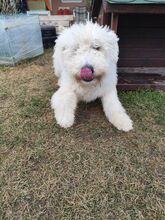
{"x": 142, "y": 40}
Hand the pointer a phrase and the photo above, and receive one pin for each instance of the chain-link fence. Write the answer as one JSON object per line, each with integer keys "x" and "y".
{"x": 8, "y": 6}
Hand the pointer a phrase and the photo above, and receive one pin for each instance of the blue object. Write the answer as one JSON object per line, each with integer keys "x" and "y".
{"x": 20, "y": 38}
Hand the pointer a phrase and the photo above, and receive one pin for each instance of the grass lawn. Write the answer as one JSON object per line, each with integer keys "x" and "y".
{"x": 90, "y": 171}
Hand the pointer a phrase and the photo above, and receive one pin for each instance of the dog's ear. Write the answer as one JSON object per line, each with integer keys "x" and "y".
{"x": 112, "y": 45}
{"x": 113, "y": 38}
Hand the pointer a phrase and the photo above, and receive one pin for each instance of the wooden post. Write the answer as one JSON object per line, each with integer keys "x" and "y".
{"x": 105, "y": 18}
{"x": 114, "y": 21}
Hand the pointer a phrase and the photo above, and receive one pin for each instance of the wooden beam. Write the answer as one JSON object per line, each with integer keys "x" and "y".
{"x": 142, "y": 70}
{"x": 134, "y": 81}
{"x": 132, "y": 8}
{"x": 114, "y": 21}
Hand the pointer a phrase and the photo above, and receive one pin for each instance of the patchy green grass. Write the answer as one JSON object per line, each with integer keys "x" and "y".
{"x": 90, "y": 171}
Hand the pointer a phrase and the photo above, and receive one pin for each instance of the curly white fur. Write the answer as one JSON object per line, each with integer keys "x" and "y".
{"x": 76, "y": 47}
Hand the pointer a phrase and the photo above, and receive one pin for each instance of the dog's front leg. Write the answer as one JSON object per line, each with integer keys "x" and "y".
{"x": 64, "y": 103}
{"x": 115, "y": 112}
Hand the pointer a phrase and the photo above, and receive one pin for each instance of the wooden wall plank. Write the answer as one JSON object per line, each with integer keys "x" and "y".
{"x": 141, "y": 44}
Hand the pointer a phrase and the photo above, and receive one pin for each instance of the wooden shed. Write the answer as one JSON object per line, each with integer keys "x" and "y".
{"x": 140, "y": 25}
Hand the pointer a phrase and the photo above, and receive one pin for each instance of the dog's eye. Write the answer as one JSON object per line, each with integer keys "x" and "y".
{"x": 96, "y": 47}
{"x": 64, "y": 48}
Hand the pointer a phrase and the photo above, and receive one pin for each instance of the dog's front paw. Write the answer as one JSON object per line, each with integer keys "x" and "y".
{"x": 64, "y": 104}
{"x": 122, "y": 122}
{"x": 65, "y": 121}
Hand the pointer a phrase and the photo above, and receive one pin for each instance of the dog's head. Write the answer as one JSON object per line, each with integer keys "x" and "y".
{"x": 88, "y": 51}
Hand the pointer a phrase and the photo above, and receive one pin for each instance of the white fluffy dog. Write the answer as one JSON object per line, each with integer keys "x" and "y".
{"x": 85, "y": 61}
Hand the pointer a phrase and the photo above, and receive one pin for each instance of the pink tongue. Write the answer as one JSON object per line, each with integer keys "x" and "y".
{"x": 86, "y": 74}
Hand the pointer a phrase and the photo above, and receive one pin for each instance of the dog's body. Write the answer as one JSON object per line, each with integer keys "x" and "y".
{"x": 85, "y": 61}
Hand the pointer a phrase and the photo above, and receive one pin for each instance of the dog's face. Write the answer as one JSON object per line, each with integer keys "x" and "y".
{"x": 88, "y": 51}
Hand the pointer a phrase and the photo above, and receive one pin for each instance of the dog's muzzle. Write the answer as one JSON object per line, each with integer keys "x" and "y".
{"x": 87, "y": 73}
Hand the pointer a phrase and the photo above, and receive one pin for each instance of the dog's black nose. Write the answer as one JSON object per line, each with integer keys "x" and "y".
{"x": 88, "y": 66}
{"x": 87, "y": 73}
